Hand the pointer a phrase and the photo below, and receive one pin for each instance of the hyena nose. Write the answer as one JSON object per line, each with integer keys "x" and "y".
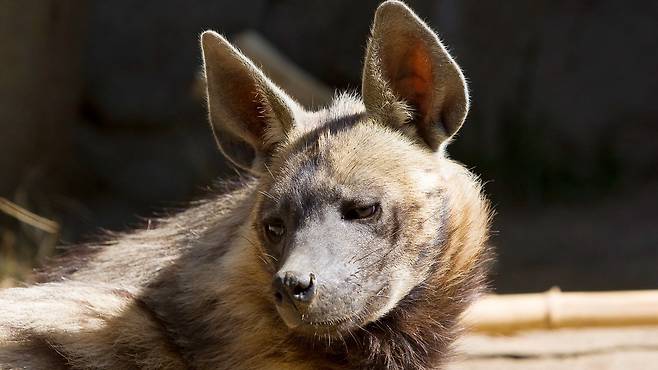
{"x": 294, "y": 286}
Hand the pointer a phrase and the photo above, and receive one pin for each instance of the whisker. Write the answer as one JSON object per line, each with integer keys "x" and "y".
{"x": 268, "y": 195}
{"x": 268, "y": 170}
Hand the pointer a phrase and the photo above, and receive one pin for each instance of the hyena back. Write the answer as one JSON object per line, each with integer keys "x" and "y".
{"x": 356, "y": 244}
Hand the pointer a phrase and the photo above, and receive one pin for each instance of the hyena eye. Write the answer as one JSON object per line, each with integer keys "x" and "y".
{"x": 274, "y": 230}
{"x": 360, "y": 212}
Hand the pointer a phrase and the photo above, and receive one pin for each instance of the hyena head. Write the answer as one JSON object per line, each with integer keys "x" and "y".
{"x": 356, "y": 202}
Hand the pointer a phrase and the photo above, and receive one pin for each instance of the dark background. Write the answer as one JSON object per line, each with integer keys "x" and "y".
{"x": 101, "y": 122}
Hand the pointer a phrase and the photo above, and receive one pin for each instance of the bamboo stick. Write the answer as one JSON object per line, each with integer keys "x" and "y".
{"x": 554, "y": 309}
{"x": 23, "y": 215}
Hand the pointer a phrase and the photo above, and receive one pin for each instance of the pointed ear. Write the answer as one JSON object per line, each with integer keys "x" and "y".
{"x": 241, "y": 100}
{"x": 409, "y": 79}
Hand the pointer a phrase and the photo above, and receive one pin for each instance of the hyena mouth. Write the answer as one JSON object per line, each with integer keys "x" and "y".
{"x": 333, "y": 326}
{"x": 369, "y": 313}
{"x": 332, "y": 323}
{"x": 306, "y": 323}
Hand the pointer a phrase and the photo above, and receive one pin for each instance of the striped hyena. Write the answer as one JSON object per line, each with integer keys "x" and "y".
{"x": 357, "y": 244}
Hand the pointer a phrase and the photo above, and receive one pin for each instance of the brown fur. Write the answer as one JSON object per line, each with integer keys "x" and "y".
{"x": 194, "y": 291}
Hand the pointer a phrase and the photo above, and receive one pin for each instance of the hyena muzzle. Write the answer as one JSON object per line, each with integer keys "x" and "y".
{"x": 354, "y": 244}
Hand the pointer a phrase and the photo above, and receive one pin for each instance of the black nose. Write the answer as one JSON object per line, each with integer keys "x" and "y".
{"x": 294, "y": 286}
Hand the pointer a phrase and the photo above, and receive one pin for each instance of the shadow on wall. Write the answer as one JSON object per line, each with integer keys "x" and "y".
{"x": 101, "y": 122}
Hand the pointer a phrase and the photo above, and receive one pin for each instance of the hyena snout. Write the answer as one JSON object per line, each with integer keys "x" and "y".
{"x": 294, "y": 287}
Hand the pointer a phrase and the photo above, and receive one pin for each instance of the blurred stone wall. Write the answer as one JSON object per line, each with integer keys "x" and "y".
{"x": 563, "y": 125}
{"x": 563, "y": 91}
{"x": 40, "y": 86}
{"x": 40, "y": 89}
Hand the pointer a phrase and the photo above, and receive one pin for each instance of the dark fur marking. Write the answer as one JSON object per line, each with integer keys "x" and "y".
{"x": 167, "y": 334}
{"x": 331, "y": 127}
{"x": 307, "y": 196}
{"x": 41, "y": 347}
{"x": 396, "y": 225}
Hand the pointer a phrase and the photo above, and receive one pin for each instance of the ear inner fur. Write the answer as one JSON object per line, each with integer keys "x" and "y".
{"x": 406, "y": 65}
{"x": 242, "y": 101}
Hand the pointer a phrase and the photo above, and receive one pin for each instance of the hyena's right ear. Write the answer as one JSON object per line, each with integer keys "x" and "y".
{"x": 241, "y": 100}
{"x": 409, "y": 80}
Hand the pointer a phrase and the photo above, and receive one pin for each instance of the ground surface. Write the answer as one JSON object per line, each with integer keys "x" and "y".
{"x": 584, "y": 349}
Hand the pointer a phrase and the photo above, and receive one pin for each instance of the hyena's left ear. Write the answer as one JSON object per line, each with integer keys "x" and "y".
{"x": 409, "y": 79}
{"x": 241, "y": 100}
